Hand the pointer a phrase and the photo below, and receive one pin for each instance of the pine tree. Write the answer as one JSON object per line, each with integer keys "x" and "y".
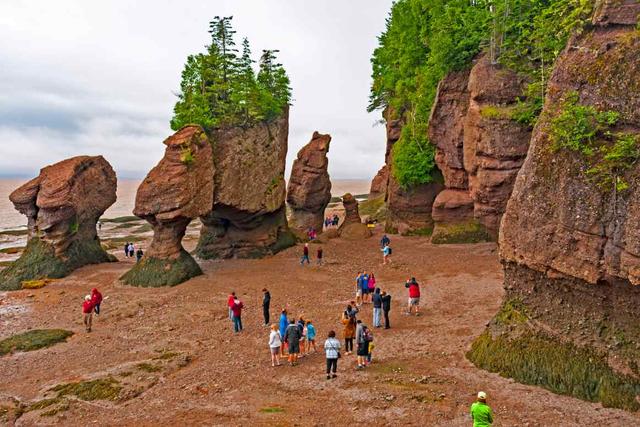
{"x": 244, "y": 94}
{"x": 274, "y": 85}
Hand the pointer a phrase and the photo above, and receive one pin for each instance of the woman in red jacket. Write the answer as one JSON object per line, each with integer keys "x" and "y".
{"x": 96, "y": 300}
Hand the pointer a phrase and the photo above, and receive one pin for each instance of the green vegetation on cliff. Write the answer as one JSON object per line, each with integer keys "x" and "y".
{"x": 426, "y": 39}
{"x": 33, "y": 340}
{"x": 220, "y": 88}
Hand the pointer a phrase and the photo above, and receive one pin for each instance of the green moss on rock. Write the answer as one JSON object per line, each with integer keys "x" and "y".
{"x": 99, "y": 389}
{"x": 33, "y": 340}
{"x": 464, "y": 232}
{"x": 155, "y": 272}
{"x": 38, "y": 261}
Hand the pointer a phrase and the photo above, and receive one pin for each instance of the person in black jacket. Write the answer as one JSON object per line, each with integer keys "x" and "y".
{"x": 386, "y": 308}
{"x": 266, "y": 301}
{"x": 377, "y": 308}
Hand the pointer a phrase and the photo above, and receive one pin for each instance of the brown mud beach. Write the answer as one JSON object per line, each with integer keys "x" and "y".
{"x": 173, "y": 353}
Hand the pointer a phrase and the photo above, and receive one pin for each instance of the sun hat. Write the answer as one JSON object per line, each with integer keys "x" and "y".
{"x": 482, "y": 395}
{"x": 87, "y": 297}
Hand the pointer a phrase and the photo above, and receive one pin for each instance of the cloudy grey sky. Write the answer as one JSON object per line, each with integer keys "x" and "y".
{"x": 88, "y": 77}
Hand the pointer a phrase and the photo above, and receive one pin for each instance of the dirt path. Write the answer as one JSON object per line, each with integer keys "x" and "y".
{"x": 419, "y": 376}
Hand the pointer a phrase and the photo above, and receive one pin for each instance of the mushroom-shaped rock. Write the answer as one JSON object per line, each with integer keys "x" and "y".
{"x": 248, "y": 216}
{"x": 179, "y": 189}
{"x": 352, "y": 227}
{"x": 309, "y": 189}
{"x": 62, "y": 205}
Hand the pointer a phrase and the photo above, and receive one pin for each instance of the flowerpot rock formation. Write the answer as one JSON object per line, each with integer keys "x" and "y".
{"x": 570, "y": 240}
{"x": 309, "y": 190}
{"x": 248, "y": 216}
{"x": 62, "y": 205}
{"x": 352, "y": 227}
{"x": 176, "y": 191}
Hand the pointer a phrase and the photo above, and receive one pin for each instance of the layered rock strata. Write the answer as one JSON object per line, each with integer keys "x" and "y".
{"x": 309, "y": 189}
{"x": 176, "y": 191}
{"x": 248, "y": 215}
{"x": 569, "y": 242}
{"x": 62, "y": 205}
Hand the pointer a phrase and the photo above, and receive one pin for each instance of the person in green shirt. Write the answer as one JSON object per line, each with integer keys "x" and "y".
{"x": 481, "y": 412}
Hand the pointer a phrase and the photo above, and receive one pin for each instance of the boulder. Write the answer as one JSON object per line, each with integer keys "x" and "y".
{"x": 570, "y": 243}
{"x": 62, "y": 205}
{"x": 176, "y": 191}
{"x": 248, "y": 216}
{"x": 352, "y": 227}
{"x": 379, "y": 183}
{"x": 309, "y": 189}
{"x": 452, "y": 206}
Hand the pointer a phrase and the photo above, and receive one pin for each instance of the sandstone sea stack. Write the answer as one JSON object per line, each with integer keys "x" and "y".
{"x": 176, "y": 191}
{"x": 352, "y": 227}
{"x": 570, "y": 237}
{"x": 248, "y": 217}
{"x": 309, "y": 189}
{"x": 479, "y": 149}
{"x": 62, "y": 205}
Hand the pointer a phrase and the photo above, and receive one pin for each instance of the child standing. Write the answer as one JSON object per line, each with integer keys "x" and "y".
{"x": 311, "y": 337}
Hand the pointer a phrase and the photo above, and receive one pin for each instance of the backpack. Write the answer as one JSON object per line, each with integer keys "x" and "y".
{"x": 368, "y": 336}
{"x": 390, "y": 250}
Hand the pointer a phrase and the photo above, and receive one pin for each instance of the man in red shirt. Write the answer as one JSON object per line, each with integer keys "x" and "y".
{"x": 237, "y": 315}
{"x": 87, "y": 312}
{"x": 414, "y": 295}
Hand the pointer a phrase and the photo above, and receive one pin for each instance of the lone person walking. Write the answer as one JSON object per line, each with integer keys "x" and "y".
{"x": 414, "y": 296}
{"x": 266, "y": 301}
{"x": 481, "y": 412}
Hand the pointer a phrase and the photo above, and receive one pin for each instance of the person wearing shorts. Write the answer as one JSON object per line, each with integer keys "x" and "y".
{"x": 275, "y": 342}
{"x": 364, "y": 283}
{"x": 359, "y": 289}
{"x": 292, "y": 336}
{"x": 414, "y": 296}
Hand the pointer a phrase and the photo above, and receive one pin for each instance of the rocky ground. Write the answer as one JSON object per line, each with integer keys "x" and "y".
{"x": 175, "y": 361}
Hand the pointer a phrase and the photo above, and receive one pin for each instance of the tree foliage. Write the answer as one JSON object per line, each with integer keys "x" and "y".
{"x": 220, "y": 87}
{"x": 426, "y": 39}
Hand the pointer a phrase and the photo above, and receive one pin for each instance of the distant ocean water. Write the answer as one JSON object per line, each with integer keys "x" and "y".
{"x": 11, "y": 218}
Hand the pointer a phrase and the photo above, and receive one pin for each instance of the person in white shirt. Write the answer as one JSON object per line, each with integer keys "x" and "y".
{"x": 275, "y": 342}
{"x": 332, "y": 351}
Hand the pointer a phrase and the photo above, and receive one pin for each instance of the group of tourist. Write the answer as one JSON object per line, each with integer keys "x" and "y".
{"x": 331, "y": 221}
{"x": 130, "y": 251}
{"x": 312, "y": 234}
{"x": 305, "y": 255}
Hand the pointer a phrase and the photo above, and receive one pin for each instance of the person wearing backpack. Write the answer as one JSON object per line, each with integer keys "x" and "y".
{"x": 414, "y": 296}
{"x": 362, "y": 345}
{"x": 385, "y": 241}
{"x": 332, "y": 351}
{"x": 386, "y": 308}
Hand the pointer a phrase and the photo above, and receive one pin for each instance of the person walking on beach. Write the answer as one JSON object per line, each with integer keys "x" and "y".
{"x": 349, "y": 333}
{"x": 359, "y": 289}
{"x": 303, "y": 336}
{"x": 362, "y": 343}
{"x": 414, "y": 296}
{"x": 386, "y": 254}
{"x": 266, "y": 302}
{"x": 311, "y": 337}
{"x": 230, "y": 300}
{"x": 139, "y": 254}
{"x": 126, "y": 250}
{"x": 236, "y": 309}
{"x": 481, "y": 413}
{"x": 385, "y": 241}
{"x": 377, "y": 308}
{"x": 275, "y": 343}
{"x": 305, "y": 254}
{"x": 336, "y": 220}
{"x": 372, "y": 283}
{"x": 96, "y": 300}
{"x": 131, "y": 250}
{"x": 319, "y": 256}
{"x": 332, "y": 352}
{"x": 292, "y": 337}
{"x": 386, "y": 308}
{"x": 87, "y": 312}
{"x": 284, "y": 322}
{"x": 364, "y": 283}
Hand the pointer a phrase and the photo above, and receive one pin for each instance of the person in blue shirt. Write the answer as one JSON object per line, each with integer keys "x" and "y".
{"x": 359, "y": 289}
{"x": 311, "y": 337}
{"x": 365, "y": 288}
{"x": 284, "y": 322}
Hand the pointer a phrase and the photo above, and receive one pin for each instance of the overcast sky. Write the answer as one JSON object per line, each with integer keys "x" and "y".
{"x": 88, "y": 77}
